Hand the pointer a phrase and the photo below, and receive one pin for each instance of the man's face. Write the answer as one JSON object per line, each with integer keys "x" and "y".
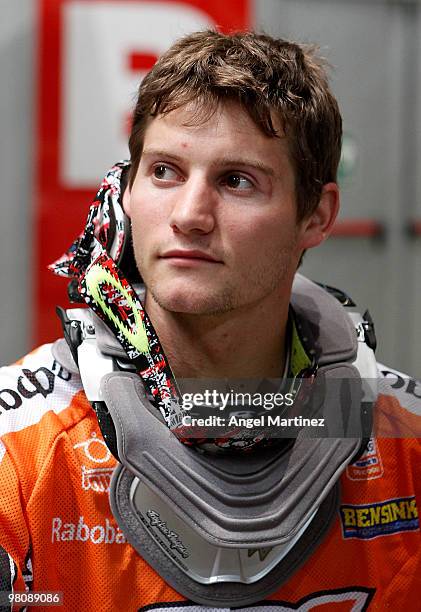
{"x": 213, "y": 213}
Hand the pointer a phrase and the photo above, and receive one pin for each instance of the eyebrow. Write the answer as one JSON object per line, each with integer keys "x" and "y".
{"x": 159, "y": 153}
{"x": 224, "y": 162}
{"x": 244, "y": 161}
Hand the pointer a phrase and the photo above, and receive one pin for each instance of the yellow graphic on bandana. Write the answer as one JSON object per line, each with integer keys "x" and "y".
{"x": 97, "y": 275}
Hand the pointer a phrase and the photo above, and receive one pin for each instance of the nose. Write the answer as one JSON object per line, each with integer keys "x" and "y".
{"x": 194, "y": 208}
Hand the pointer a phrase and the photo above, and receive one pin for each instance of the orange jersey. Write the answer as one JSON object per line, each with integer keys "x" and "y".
{"x": 57, "y": 532}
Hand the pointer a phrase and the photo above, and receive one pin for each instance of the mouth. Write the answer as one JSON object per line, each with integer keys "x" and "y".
{"x": 189, "y": 256}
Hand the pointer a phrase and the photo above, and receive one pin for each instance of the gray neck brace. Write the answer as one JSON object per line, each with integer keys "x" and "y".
{"x": 245, "y": 522}
{"x": 230, "y": 530}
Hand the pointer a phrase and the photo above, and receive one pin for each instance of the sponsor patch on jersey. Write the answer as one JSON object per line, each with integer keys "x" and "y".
{"x": 30, "y": 384}
{"x": 406, "y": 389}
{"x": 82, "y": 532}
{"x": 370, "y": 521}
{"x": 95, "y": 450}
{"x": 369, "y": 466}
{"x": 96, "y": 479}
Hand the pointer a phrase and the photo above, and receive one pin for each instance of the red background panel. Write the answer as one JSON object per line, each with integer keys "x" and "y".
{"x": 54, "y": 230}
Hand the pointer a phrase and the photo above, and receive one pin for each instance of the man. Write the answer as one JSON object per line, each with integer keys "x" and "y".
{"x": 234, "y": 151}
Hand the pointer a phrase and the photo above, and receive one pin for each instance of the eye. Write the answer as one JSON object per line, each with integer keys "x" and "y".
{"x": 237, "y": 181}
{"x": 164, "y": 173}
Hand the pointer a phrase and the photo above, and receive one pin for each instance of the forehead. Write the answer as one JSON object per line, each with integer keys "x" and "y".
{"x": 217, "y": 131}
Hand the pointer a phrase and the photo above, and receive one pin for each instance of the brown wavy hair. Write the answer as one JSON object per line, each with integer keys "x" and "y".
{"x": 269, "y": 78}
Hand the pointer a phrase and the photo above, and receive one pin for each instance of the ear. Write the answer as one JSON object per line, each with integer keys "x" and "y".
{"x": 317, "y": 227}
{"x": 127, "y": 200}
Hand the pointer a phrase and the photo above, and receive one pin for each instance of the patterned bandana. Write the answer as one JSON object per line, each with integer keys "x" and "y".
{"x": 106, "y": 224}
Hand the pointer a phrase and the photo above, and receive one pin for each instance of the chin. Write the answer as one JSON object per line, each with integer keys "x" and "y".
{"x": 184, "y": 302}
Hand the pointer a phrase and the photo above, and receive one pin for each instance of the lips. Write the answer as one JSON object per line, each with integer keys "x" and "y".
{"x": 189, "y": 254}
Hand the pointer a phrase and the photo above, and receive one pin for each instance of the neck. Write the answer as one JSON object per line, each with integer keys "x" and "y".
{"x": 246, "y": 343}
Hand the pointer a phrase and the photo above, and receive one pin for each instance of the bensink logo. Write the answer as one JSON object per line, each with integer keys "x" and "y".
{"x": 370, "y": 521}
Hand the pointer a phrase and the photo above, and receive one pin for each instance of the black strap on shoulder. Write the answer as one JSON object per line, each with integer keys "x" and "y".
{"x": 6, "y": 577}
